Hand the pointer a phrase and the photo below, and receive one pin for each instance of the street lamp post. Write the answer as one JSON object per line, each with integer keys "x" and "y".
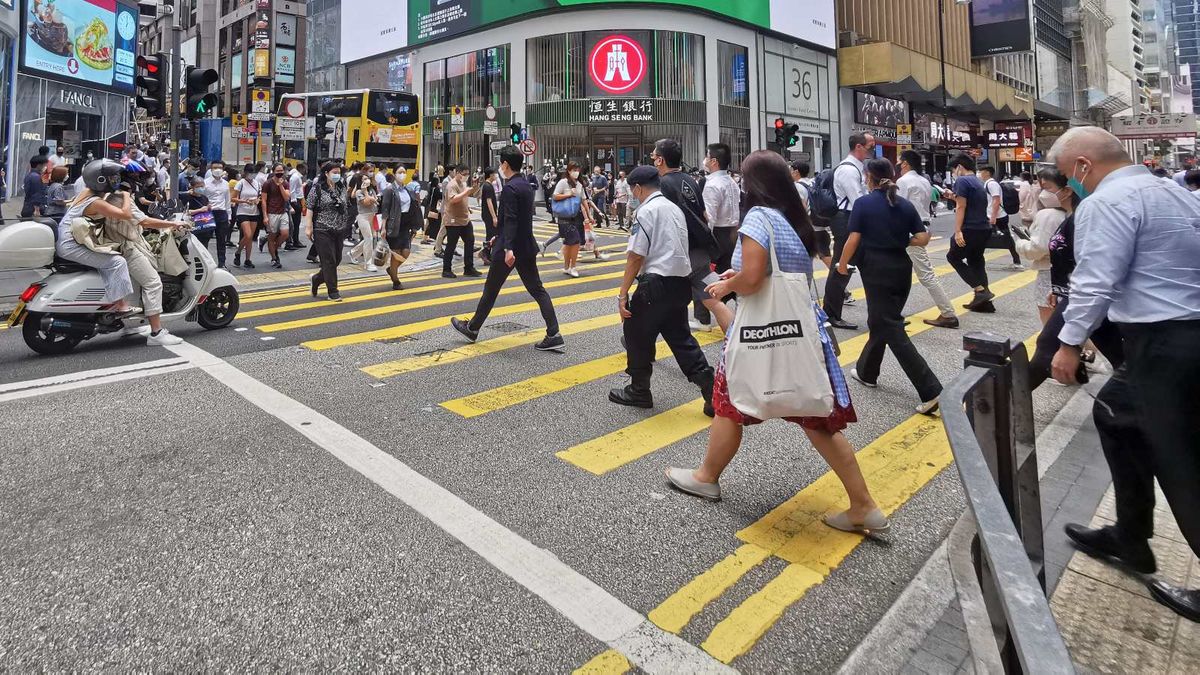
{"x": 942, "y": 59}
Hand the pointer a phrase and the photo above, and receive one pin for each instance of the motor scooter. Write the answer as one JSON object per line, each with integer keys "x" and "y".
{"x": 68, "y": 306}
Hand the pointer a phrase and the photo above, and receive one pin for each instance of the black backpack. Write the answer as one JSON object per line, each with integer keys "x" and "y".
{"x": 1010, "y": 198}
{"x": 822, "y": 199}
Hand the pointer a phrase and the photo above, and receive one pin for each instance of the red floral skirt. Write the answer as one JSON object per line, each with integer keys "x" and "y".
{"x": 839, "y": 419}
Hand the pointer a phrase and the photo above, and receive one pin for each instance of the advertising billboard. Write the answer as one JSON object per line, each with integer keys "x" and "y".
{"x": 429, "y": 20}
{"x": 878, "y": 111}
{"x": 92, "y": 43}
{"x": 1000, "y": 27}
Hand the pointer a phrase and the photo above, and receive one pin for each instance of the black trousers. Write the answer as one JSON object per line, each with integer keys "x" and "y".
{"x": 1005, "y": 240}
{"x": 659, "y": 307}
{"x": 887, "y": 279}
{"x": 1154, "y": 429}
{"x": 836, "y": 283}
{"x": 968, "y": 260}
{"x": 329, "y": 247}
{"x": 294, "y": 233}
{"x": 453, "y": 234}
{"x": 498, "y": 273}
{"x": 727, "y": 238}
{"x": 224, "y": 231}
{"x": 1107, "y": 338}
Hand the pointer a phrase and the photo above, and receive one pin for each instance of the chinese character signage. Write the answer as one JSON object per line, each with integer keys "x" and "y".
{"x": 1166, "y": 125}
{"x": 1005, "y": 138}
{"x": 618, "y": 64}
{"x": 618, "y": 110}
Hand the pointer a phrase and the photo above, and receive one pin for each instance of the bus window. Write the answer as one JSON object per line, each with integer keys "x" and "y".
{"x": 392, "y": 109}
{"x": 344, "y": 105}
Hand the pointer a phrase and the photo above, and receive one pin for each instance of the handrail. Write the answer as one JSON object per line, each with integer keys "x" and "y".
{"x": 981, "y": 401}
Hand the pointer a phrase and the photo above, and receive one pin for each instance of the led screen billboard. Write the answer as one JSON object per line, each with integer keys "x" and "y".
{"x": 92, "y": 43}
{"x": 1000, "y": 27}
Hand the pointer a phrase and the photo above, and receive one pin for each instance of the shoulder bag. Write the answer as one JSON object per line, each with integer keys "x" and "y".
{"x": 774, "y": 358}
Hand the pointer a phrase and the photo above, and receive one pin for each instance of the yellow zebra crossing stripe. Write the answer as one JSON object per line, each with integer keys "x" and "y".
{"x": 616, "y": 449}
{"x": 543, "y": 385}
{"x": 896, "y": 466}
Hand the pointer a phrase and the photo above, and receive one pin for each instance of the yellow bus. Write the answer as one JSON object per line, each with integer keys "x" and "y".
{"x": 369, "y": 125}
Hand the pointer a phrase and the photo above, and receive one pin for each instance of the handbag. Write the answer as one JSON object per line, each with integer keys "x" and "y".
{"x": 774, "y": 358}
{"x": 566, "y": 208}
{"x": 382, "y": 252}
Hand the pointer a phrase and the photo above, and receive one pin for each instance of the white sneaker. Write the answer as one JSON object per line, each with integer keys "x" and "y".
{"x": 603, "y": 257}
{"x": 136, "y": 331}
{"x": 573, "y": 273}
{"x": 372, "y": 268}
{"x": 163, "y": 339}
{"x": 696, "y": 325}
{"x": 558, "y": 254}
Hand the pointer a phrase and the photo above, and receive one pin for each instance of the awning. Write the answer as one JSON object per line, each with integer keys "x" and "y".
{"x": 887, "y": 69}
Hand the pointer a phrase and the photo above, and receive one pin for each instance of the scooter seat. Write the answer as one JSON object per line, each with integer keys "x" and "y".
{"x": 64, "y": 266}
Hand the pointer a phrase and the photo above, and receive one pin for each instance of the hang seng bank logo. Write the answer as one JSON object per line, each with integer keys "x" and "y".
{"x": 618, "y": 64}
{"x": 780, "y": 330}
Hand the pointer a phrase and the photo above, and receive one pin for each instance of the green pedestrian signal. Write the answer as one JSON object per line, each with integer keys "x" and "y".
{"x": 200, "y": 101}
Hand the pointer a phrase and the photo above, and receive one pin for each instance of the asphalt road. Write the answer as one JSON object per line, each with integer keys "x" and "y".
{"x": 349, "y": 485}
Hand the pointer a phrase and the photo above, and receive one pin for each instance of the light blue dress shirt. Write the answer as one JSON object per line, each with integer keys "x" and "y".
{"x": 1137, "y": 249}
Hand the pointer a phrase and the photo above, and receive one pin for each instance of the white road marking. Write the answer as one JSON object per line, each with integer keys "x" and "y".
{"x": 573, "y": 595}
{"x": 90, "y": 378}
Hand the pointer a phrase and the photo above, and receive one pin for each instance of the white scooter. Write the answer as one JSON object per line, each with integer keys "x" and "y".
{"x": 68, "y": 307}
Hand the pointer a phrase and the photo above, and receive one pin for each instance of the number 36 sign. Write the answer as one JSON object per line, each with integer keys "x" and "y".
{"x": 795, "y": 87}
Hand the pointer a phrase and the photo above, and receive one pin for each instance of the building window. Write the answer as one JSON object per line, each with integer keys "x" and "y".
{"x": 734, "y": 79}
{"x": 555, "y": 67}
{"x": 473, "y": 80}
{"x": 678, "y": 66}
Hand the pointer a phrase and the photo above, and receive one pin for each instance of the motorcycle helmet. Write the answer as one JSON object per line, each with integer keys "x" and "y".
{"x": 101, "y": 176}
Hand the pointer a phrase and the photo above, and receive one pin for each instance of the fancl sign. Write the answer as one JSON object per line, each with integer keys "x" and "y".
{"x": 76, "y": 98}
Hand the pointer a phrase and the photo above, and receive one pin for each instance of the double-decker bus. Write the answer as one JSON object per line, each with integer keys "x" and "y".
{"x": 370, "y": 125}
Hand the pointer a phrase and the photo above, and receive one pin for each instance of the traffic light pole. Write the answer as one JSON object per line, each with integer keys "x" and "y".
{"x": 176, "y": 70}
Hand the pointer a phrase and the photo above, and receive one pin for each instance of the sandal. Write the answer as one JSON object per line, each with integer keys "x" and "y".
{"x": 874, "y": 522}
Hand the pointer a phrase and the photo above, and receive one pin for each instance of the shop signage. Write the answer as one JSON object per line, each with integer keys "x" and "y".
{"x": 621, "y": 110}
{"x": 262, "y": 63}
{"x": 1166, "y": 125}
{"x": 943, "y": 134}
{"x": 1005, "y": 138}
{"x": 885, "y": 134}
{"x": 617, "y": 65}
{"x": 76, "y": 98}
{"x": 1015, "y": 154}
{"x": 285, "y": 30}
{"x": 285, "y": 65}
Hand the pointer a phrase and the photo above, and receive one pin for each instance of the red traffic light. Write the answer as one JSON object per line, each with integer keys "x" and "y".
{"x": 778, "y": 122}
{"x": 151, "y": 66}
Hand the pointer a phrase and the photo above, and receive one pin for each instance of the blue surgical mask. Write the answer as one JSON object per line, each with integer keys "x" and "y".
{"x": 335, "y": 177}
{"x": 1076, "y": 184}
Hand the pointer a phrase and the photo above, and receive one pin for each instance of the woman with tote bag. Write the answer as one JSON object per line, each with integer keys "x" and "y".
{"x": 777, "y": 327}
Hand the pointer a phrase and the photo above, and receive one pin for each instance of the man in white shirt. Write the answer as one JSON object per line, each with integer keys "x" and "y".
{"x": 658, "y": 259}
{"x": 216, "y": 188}
{"x": 804, "y": 186}
{"x": 722, "y": 203}
{"x": 997, "y": 216}
{"x": 848, "y": 185}
{"x": 916, "y": 189}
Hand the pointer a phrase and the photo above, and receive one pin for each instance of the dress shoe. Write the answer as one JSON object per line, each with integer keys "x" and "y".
{"x": 472, "y": 273}
{"x": 627, "y": 396}
{"x": 843, "y": 324}
{"x": 1105, "y": 543}
{"x": 943, "y": 322}
{"x": 449, "y": 275}
{"x": 1185, "y": 603}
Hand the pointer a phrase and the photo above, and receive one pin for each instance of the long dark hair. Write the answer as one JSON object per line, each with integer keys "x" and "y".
{"x": 572, "y": 166}
{"x": 767, "y": 182}
{"x": 882, "y": 173}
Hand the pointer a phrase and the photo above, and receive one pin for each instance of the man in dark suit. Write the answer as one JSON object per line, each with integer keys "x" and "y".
{"x": 514, "y": 247}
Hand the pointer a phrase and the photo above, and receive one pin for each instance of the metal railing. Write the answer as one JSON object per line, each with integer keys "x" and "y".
{"x": 988, "y": 414}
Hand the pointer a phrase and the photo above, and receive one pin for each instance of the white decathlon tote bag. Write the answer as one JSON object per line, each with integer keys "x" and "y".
{"x": 774, "y": 361}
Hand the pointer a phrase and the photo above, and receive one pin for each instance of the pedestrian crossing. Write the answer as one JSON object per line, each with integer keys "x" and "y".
{"x": 897, "y": 464}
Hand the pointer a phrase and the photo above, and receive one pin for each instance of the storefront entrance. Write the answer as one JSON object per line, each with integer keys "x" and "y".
{"x": 618, "y": 150}
{"x": 90, "y": 130}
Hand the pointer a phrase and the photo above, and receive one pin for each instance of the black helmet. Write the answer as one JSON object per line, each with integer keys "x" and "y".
{"x": 101, "y": 176}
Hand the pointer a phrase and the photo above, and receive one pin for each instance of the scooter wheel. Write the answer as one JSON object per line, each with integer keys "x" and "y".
{"x": 219, "y": 309}
{"x": 47, "y": 344}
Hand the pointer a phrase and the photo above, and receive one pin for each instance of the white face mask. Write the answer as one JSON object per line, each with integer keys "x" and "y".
{"x": 1049, "y": 200}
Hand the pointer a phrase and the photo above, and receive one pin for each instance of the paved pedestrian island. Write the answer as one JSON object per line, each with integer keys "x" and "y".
{"x": 1110, "y": 622}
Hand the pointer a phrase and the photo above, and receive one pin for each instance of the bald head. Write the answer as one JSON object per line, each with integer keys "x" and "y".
{"x": 1088, "y": 154}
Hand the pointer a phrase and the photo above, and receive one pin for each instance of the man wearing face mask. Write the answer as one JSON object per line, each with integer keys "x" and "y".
{"x": 1138, "y": 264}
{"x": 216, "y": 188}
{"x": 722, "y": 203}
{"x": 971, "y": 232}
{"x": 296, "y": 188}
{"x": 849, "y": 185}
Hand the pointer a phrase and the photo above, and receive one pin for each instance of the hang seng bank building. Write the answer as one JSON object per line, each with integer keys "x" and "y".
{"x": 599, "y": 84}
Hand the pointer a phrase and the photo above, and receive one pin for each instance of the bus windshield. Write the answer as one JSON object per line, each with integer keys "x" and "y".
{"x": 392, "y": 109}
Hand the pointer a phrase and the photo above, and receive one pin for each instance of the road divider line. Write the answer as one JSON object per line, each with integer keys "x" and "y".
{"x": 625, "y": 445}
{"x": 383, "y": 295}
{"x": 89, "y": 378}
{"x": 560, "y": 380}
{"x": 405, "y": 330}
{"x": 577, "y": 598}
{"x": 302, "y": 290}
{"x": 420, "y": 304}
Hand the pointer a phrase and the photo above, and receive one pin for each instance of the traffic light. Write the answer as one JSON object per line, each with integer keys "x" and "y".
{"x": 779, "y": 124}
{"x": 515, "y": 134}
{"x": 791, "y": 135}
{"x": 200, "y": 101}
{"x": 152, "y": 84}
{"x": 322, "y": 125}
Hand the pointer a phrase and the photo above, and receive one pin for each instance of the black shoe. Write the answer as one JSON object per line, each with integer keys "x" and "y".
{"x": 843, "y": 324}
{"x": 315, "y": 284}
{"x": 313, "y": 261}
{"x": 472, "y": 273}
{"x": 237, "y": 260}
{"x": 290, "y": 246}
{"x": 981, "y": 297}
{"x": 943, "y": 322}
{"x": 984, "y": 308}
{"x": 248, "y": 265}
{"x": 464, "y": 328}
{"x": 449, "y": 275}
{"x": 335, "y": 297}
{"x": 261, "y": 244}
{"x": 1185, "y": 603}
{"x": 1105, "y": 543}
{"x": 627, "y": 396}
{"x": 849, "y": 299}
{"x": 230, "y": 244}
{"x": 437, "y": 254}
{"x": 553, "y": 343}
{"x": 397, "y": 286}
{"x": 276, "y": 264}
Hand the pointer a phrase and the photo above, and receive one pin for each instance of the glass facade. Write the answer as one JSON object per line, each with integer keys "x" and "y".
{"x": 472, "y": 80}
{"x": 734, "y": 80}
